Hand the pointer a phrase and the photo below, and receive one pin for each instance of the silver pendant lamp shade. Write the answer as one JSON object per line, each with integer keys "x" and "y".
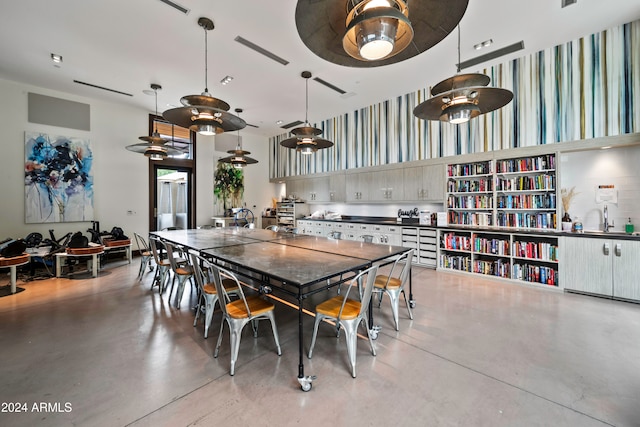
{"x": 238, "y": 158}
{"x": 462, "y": 97}
{"x": 306, "y": 138}
{"x": 203, "y": 113}
{"x": 155, "y": 147}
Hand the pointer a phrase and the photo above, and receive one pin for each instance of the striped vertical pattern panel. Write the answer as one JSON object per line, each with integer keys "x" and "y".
{"x": 587, "y": 88}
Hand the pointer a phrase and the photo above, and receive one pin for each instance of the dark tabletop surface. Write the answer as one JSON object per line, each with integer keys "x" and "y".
{"x": 356, "y": 249}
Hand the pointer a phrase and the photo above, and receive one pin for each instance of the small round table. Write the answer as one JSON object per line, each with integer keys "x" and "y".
{"x": 13, "y": 263}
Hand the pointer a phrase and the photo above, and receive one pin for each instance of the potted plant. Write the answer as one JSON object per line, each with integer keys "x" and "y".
{"x": 228, "y": 186}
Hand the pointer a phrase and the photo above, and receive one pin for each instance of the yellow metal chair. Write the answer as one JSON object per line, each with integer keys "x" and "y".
{"x": 394, "y": 286}
{"x": 348, "y": 313}
{"x": 202, "y": 272}
{"x": 240, "y": 312}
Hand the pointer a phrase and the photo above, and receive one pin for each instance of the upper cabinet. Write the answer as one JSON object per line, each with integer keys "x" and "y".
{"x": 424, "y": 183}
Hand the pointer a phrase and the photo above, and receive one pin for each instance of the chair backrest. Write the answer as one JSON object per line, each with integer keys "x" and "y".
{"x": 201, "y": 270}
{"x": 407, "y": 258}
{"x": 141, "y": 243}
{"x": 336, "y": 235}
{"x": 369, "y": 275}
{"x": 367, "y": 238}
{"x": 217, "y": 273}
{"x": 171, "y": 255}
{"x": 155, "y": 243}
{"x": 271, "y": 227}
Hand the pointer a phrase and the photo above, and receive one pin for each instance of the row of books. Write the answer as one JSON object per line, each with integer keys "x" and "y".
{"x": 491, "y": 246}
{"x": 470, "y": 202}
{"x": 455, "y": 262}
{"x": 543, "y": 251}
{"x": 545, "y": 220}
{"x": 538, "y": 163}
{"x": 469, "y": 169}
{"x": 527, "y": 201}
{"x": 469, "y": 185}
{"x": 453, "y": 241}
{"x": 535, "y": 274}
{"x": 498, "y": 268}
{"x": 522, "y": 183}
{"x": 470, "y": 218}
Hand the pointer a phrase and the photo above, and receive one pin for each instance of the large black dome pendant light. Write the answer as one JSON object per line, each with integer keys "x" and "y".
{"x": 203, "y": 113}
{"x": 155, "y": 146}
{"x": 462, "y": 97}
{"x": 305, "y": 139}
{"x": 238, "y": 157}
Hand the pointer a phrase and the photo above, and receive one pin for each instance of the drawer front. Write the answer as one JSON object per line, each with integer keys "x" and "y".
{"x": 409, "y": 231}
{"x": 428, "y": 233}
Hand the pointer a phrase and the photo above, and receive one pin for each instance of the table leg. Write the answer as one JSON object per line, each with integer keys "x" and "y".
{"x": 412, "y": 302}
{"x": 94, "y": 266}
{"x": 13, "y": 278}
{"x": 305, "y": 382}
{"x": 59, "y": 261}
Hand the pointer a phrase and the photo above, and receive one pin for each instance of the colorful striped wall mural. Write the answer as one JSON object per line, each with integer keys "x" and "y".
{"x": 587, "y": 88}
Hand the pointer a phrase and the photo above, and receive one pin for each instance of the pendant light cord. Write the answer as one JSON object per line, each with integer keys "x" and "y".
{"x": 306, "y": 107}
{"x": 458, "y": 65}
{"x": 206, "y": 61}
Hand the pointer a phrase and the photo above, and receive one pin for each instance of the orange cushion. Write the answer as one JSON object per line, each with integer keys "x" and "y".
{"x": 331, "y": 308}
{"x": 381, "y": 282}
{"x": 257, "y": 306}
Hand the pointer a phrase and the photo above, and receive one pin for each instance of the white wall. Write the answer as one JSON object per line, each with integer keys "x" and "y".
{"x": 120, "y": 176}
{"x": 586, "y": 170}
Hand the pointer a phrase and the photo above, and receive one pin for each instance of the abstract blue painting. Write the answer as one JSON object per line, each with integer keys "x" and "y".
{"x": 58, "y": 184}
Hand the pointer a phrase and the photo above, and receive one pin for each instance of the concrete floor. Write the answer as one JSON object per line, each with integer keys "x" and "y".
{"x": 109, "y": 352}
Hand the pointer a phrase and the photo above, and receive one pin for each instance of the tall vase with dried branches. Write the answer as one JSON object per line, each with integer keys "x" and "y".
{"x": 567, "y": 196}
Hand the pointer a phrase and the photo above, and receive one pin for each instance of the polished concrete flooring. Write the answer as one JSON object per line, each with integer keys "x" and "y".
{"x": 479, "y": 352}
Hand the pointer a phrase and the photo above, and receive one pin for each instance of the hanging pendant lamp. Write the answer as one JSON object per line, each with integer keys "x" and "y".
{"x": 203, "y": 113}
{"x": 305, "y": 139}
{"x": 462, "y": 97}
{"x": 155, "y": 146}
{"x": 238, "y": 157}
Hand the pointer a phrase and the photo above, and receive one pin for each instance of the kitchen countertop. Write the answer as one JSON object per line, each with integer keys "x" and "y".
{"x": 556, "y": 233}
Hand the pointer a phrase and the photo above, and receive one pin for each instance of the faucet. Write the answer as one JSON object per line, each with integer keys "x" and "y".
{"x": 606, "y": 225}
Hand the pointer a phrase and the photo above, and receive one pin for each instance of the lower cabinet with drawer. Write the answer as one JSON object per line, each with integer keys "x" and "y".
{"x": 425, "y": 243}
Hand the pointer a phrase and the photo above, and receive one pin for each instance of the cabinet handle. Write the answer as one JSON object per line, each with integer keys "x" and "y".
{"x": 618, "y": 249}
{"x": 605, "y": 249}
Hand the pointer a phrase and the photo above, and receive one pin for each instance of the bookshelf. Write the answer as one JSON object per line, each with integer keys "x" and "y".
{"x": 512, "y": 193}
{"x": 509, "y": 255}
{"x": 469, "y": 196}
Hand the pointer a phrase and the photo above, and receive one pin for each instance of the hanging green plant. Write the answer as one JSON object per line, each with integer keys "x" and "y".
{"x": 228, "y": 185}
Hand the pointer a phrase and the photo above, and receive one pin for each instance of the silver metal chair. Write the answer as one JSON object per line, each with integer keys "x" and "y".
{"x": 182, "y": 271}
{"x": 145, "y": 254}
{"x": 271, "y": 227}
{"x": 394, "y": 286}
{"x": 348, "y": 313}
{"x": 367, "y": 238}
{"x": 240, "y": 312}
{"x": 202, "y": 272}
{"x": 162, "y": 272}
{"x": 335, "y": 235}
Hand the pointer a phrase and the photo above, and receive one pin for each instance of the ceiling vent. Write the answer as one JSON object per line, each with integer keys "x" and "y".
{"x": 566, "y": 3}
{"x": 176, "y": 6}
{"x": 492, "y": 55}
{"x": 329, "y": 85}
{"x": 261, "y": 50}
{"x": 102, "y": 88}
{"x": 292, "y": 124}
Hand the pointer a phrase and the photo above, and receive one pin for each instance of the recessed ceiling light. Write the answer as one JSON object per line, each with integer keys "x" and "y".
{"x": 485, "y": 43}
{"x": 279, "y": 122}
{"x": 56, "y": 58}
{"x": 226, "y": 80}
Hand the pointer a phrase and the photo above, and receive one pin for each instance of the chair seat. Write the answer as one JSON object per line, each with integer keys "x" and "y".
{"x": 381, "y": 282}
{"x": 184, "y": 271}
{"x": 229, "y": 286}
{"x": 164, "y": 263}
{"x": 257, "y": 306}
{"x": 331, "y": 308}
{"x": 145, "y": 254}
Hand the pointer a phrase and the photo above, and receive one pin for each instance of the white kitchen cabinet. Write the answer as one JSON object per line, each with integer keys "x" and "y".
{"x": 607, "y": 267}
{"x": 424, "y": 183}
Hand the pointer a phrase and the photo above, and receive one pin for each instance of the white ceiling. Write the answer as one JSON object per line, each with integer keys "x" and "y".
{"x": 127, "y": 45}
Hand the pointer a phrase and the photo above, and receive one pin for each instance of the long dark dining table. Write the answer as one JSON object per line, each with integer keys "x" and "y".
{"x": 295, "y": 264}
